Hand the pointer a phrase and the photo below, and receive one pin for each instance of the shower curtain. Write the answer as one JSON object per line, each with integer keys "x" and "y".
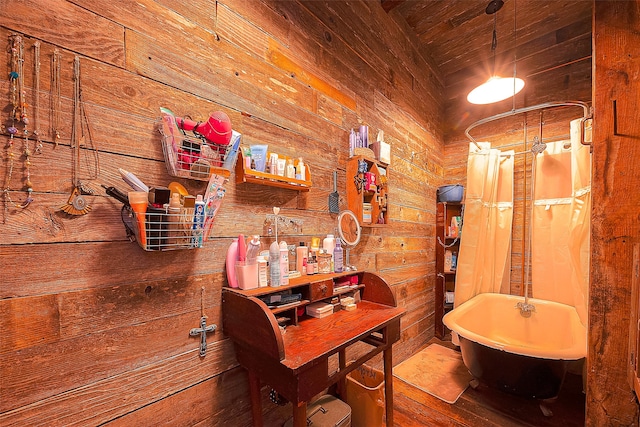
{"x": 484, "y": 259}
{"x": 561, "y": 223}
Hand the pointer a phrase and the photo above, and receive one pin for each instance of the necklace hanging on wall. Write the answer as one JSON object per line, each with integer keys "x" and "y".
{"x": 17, "y": 119}
{"x": 77, "y": 203}
{"x": 56, "y": 65}
{"x": 36, "y": 98}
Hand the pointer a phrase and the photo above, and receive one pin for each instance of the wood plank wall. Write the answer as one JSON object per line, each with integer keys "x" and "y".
{"x": 615, "y": 225}
{"x": 94, "y": 329}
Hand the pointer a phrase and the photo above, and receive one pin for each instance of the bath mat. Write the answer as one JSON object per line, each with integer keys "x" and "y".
{"x": 436, "y": 370}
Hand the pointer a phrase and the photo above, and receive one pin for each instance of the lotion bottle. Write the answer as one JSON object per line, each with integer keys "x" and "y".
{"x": 300, "y": 170}
{"x": 329, "y": 244}
{"x": 274, "y": 265}
{"x": 302, "y": 255}
{"x": 291, "y": 170}
{"x": 253, "y": 249}
{"x": 337, "y": 257}
{"x": 284, "y": 263}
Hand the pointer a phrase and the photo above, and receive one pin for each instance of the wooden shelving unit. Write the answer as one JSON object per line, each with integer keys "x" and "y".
{"x": 244, "y": 174}
{"x": 445, "y": 278}
{"x": 359, "y": 196}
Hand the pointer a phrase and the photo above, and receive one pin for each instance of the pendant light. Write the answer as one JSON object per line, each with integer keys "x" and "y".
{"x": 497, "y": 88}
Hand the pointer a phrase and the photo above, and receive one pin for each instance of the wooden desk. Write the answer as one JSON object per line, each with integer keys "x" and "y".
{"x": 295, "y": 363}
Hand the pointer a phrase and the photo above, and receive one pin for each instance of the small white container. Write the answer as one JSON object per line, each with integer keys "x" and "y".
{"x": 262, "y": 272}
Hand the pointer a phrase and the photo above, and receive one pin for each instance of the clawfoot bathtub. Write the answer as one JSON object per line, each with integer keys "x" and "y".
{"x": 525, "y": 356}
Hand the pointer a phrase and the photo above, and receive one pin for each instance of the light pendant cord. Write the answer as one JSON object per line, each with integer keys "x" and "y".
{"x": 494, "y": 45}
{"x": 515, "y": 56}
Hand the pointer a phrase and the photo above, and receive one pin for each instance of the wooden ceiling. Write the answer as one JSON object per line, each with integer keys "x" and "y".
{"x": 552, "y": 42}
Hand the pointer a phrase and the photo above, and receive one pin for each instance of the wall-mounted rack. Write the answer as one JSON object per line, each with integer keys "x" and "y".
{"x": 245, "y": 174}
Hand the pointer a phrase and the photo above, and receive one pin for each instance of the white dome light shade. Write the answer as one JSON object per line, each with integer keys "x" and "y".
{"x": 495, "y": 89}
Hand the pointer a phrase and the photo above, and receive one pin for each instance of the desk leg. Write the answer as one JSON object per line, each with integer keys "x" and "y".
{"x": 388, "y": 385}
{"x": 256, "y": 405}
{"x": 300, "y": 414}
{"x": 342, "y": 364}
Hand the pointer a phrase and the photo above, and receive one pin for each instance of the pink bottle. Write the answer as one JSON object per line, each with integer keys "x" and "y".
{"x": 232, "y": 257}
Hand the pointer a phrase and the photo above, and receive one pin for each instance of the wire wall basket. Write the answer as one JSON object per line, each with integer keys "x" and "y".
{"x": 189, "y": 155}
{"x": 170, "y": 228}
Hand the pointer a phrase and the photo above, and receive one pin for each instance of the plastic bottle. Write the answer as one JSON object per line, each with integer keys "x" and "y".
{"x": 329, "y": 244}
{"x": 242, "y": 248}
{"x": 337, "y": 257}
{"x": 274, "y": 265}
{"x": 291, "y": 170}
{"x": 302, "y": 255}
{"x": 310, "y": 268}
{"x": 173, "y": 216}
{"x": 300, "y": 170}
{"x": 232, "y": 257}
{"x": 273, "y": 164}
{"x": 284, "y": 263}
{"x": 253, "y": 249}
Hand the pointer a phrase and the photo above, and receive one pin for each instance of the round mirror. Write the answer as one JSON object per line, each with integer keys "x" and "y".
{"x": 349, "y": 230}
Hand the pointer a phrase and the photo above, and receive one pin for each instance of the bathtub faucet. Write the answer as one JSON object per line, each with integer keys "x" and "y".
{"x": 525, "y": 308}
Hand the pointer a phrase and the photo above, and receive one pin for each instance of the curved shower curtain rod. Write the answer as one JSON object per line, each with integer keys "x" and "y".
{"x": 585, "y": 107}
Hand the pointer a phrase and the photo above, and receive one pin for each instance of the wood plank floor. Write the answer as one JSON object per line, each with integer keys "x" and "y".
{"x": 484, "y": 407}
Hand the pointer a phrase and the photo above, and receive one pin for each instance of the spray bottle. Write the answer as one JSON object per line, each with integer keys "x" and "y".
{"x": 284, "y": 263}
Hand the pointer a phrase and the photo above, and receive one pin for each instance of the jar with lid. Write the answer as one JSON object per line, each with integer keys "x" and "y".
{"x": 324, "y": 262}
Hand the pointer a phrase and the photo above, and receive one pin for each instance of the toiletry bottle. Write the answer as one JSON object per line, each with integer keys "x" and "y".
{"x": 242, "y": 248}
{"x": 284, "y": 263}
{"x": 138, "y": 200}
{"x": 329, "y": 244}
{"x": 315, "y": 263}
{"x": 173, "y": 216}
{"x": 291, "y": 170}
{"x": 282, "y": 166}
{"x": 156, "y": 223}
{"x": 273, "y": 164}
{"x": 253, "y": 249}
{"x": 352, "y": 142}
{"x": 300, "y": 170}
{"x": 302, "y": 254}
{"x": 232, "y": 257}
{"x": 262, "y": 271}
{"x": 198, "y": 222}
{"x": 337, "y": 257}
{"x": 310, "y": 267}
{"x": 274, "y": 264}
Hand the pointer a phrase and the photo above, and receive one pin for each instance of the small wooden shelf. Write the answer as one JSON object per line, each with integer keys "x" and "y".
{"x": 288, "y": 307}
{"x": 357, "y": 195}
{"x": 244, "y": 174}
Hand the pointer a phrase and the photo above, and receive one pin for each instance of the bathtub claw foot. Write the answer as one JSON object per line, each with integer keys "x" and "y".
{"x": 474, "y": 383}
{"x": 545, "y": 406}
